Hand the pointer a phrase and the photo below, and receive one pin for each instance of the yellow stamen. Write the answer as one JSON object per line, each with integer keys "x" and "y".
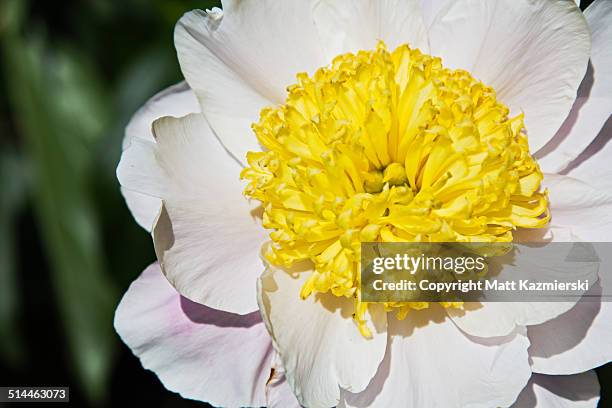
{"x": 388, "y": 146}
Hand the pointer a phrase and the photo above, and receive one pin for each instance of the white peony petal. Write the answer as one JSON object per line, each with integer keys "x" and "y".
{"x": 143, "y": 207}
{"x": 593, "y": 165}
{"x": 534, "y": 54}
{"x": 353, "y": 25}
{"x": 321, "y": 348}
{"x": 430, "y": 10}
{"x": 579, "y": 339}
{"x": 279, "y": 394}
{"x": 491, "y": 319}
{"x": 573, "y": 342}
{"x": 278, "y": 391}
{"x": 207, "y": 236}
{"x": 241, "y": 59}
{"x": 201, "y": 353}
{"x": 177, "y": 100}
{"x": 571, "y": 391}
{"x": 431, "y": 363}
{"x": 578, "y": 207}
{"x": 594, "y": 103}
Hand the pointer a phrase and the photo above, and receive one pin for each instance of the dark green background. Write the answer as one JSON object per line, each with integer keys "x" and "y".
{"x": 73, "y": 72}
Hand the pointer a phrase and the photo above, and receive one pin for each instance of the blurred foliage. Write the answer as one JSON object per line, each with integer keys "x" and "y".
{"x": 74, "y": 72}
{"x": 13, "y": 175}
{"x": 59, "y": 127}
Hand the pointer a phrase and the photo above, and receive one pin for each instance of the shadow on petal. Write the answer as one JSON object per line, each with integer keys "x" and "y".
{"x": 603, "y": 137}
{"x": 579, "y": 319}
{"x": 559, "y": 390}
{"x": 201, "y": 314}
{"x": 584, "y": 91}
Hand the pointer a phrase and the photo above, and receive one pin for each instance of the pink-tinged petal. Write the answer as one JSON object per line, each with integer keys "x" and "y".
{"x": 594, "y": 103}
{"x": 207, "y": 235}
{"x": 320, "y": 346}
{"x": 571, "y": 391}
{"x": 279, "y": 394}
{"x": 430, "y": 363}
{"x": 201, "y": 353}
{"x": 353, "y": 25}
{"x": 242, "y": 58}
{"x": 533, "y": 53}
{"x": 278, "y": 391}
{"x": 177, "y": 100}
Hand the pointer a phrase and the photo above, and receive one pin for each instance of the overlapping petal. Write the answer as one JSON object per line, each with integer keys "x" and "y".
{"x": 199, "y": 352}
{"x": 492, "y": 319}
{"x": 353, "y": 25}
{"x": 593, "y": 106}
{"x": 579, "y": 208}
{"x": 580, "y": 338}
{"x": 572, "y": 391}
{"x": 573, "y": 342}
{"x": 593, "y": 165}
{"x": 241, "y": 59}
{"x": 320, "y": 347}
{"x": 534, "y": 54}
{"x": 278, "y": 391}
{"x": 177, "y": 100}
{"x": 430, "y": 363}
{"x": 207, "y": 236}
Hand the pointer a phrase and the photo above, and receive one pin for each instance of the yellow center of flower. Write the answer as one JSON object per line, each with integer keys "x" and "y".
{"x": 388, "y": 146}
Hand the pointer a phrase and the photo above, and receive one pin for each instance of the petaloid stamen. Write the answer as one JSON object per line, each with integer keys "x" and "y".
{"x": 388, "y": 146}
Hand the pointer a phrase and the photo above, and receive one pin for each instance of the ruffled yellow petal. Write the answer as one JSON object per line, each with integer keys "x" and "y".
{"x": 388, "y": 146}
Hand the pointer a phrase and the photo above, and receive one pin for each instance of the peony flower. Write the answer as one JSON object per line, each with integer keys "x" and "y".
{"x": 351, "y": 121}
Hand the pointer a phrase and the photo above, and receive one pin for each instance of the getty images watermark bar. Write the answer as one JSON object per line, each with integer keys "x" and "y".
{"x": 487, "y": 272}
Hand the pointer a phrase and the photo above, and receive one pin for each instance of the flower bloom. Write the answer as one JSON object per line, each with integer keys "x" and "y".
{"x": 356, "y": 121}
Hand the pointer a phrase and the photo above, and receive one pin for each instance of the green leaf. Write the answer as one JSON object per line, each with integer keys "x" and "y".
{"x": 60, "y": 109}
